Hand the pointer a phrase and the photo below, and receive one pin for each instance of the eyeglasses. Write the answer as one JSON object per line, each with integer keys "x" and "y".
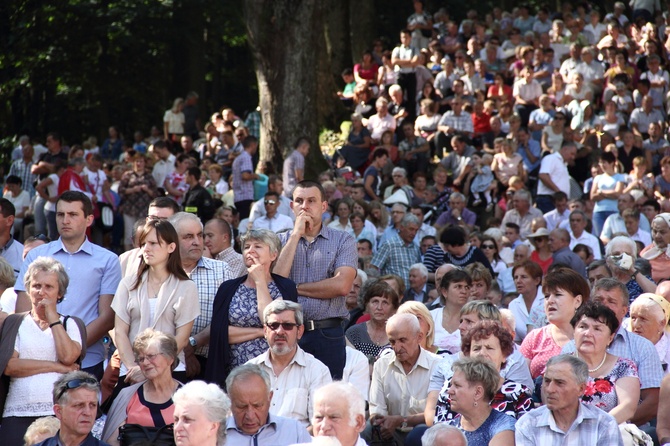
{"x": 270, "y": 202}
{"x": 140, "y": 359}
{"x": 287, "y": 326}
{"x": 74, "y": 384}
{"x": 488, "y": 247}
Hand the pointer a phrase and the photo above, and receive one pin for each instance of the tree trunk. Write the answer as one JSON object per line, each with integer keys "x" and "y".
{"x": 281, "y": 34}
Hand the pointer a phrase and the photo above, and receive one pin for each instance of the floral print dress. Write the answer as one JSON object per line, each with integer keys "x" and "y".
{"x": 601, "y": 392}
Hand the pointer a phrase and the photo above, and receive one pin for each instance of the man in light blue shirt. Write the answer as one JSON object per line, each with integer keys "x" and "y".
{"x": 94, "y": 274}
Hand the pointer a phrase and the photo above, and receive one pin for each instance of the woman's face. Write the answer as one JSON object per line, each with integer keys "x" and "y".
{"x": 646, "y": 323}
{"x": 488, "y": 348}
{"x": 343, "y": 210}
{"x": 440, "y": 177}
{"x": 660, "y": 233}
{"x": 376, "y": 213}
{"x": 457, "y": 293}
{"x": 214, "y": 175}
{"x": 139, "y": 164}
{"x": 387, "y": 139}
{"x": 352, "y": 297}
{"x": 357, "y": 224}
{"x": 156, "y": 251}
{"x": 113, "y": 133}
{"x": 592, "y": 336}
{"x": 461, "y": 392}
{"x": 489, "y": 248}
{"x": 478, "y": 290}
{"x": 256, "y": 252}
{"x": 192, "y": 427}
{"x": 560, "y": 305}
{"x": 152, "y": 363}
{"x": 380, "y": 309}
{"x": 358, "y": 208}
{"x": 43, "y": 287}
{"x": 525, "y": 283}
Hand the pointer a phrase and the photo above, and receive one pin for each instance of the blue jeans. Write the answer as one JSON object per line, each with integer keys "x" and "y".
{"x": 545, "y": 203}
{"x": 328, "y": 346}
{"x": 598, "y": 221}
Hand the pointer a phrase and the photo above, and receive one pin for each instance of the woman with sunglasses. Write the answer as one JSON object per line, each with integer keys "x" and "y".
{"x": 239, "y": 304}
{"x": 149, "y": 403}
{"x": 489, "y": 247}
{"x": 41, "y": 346}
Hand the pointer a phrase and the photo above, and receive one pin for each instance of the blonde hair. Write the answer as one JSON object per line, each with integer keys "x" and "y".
{"x": 41, "y": 429}
{"x": 419, "y": 309}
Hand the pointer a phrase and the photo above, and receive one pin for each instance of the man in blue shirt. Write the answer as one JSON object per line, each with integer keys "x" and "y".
{"x": 94, "y": 274}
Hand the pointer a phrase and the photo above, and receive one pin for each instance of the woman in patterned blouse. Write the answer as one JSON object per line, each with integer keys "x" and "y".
{"x": 137, "y": 188}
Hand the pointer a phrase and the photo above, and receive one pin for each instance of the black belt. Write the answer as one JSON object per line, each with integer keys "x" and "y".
{"x": 323, "y": 323}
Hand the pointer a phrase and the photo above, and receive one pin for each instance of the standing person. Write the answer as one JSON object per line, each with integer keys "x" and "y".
{"x": 322, "y": 262}
{"x": 164, "y": 163}
{"x": 606, "y": 189}
{"x": 294, "y": 166}
{"x": 405, "y": 59}
{"x": 44, "y": 167}
{"x": 22, "y": 168}
{"x": 137, "y": 189}
{"x": 398, "y": 254}
{"x": 10, "y": 249}
{"x": 173, "y": 122}
{"x": 244, "y": 176}
{"x": 554, "y": 176}
{"x": 95, "y": 274}
{"x": 198, "y": 200}
{"x": 372, "y": 178}
{"x": 218, "y": 238}
{"x": 559, "y": 243}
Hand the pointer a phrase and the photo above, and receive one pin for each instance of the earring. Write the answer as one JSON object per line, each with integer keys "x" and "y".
{"x": 475, "y": 403}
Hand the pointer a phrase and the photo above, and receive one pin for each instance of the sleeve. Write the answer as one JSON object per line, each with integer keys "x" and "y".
{"x": 439, "y": 377}
{"x": 546, "y": 165}
{"x": 73, "y": 330}
{"x": 649, "y": 368}
{"x": 187, "y": 307}
{"x": 112, "y": 276}
{"x": 377, "y": 397}
{"x": 430, "y": 259}
{"x": 120, "y": 301}
{"x": 247, "y": 165}
{"x": 524, "y": 402}
{"x": 19, "y": 285}
{"x": 346, "y": 253}
{"x": 523, "y": 435}
{"x": 528, "y": 345}
{"x": 359, "y": 375}
{"x": 299, "y": 162}
{"x": 166, "y": 116}
{"x": 381, "y": 256}
{"x": 320, "y": 378}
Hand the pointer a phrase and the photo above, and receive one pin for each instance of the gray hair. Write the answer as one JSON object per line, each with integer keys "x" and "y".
{"x": 7, "y": 278}
{"x": 393, "y": 88}
{"x": 459, "y": 196}
{"x": 344, "y": 390}
{"x": 579, "y": 212}
{"x": 430, "y": 436}
{"x": 356, "y": 117}
{"x": 51, "y": 266}
{"x": 61, "y": 390}
{"x": 167, "y": 344}
{"x": 621, "y": 240}
{"x": 405, "y": 320}
{"x": 381, "y": 101}
{"x": 79, "y": 161}
{"x": 264, "y": 236}
{"x": 643, "y": 301}
{"x": 399, "y": 170}
{"x": 211, "y": 398}
{"x": 579, "y": 368}
{"x": 421, "y": 268}
{"x": 181, "y": 217}
{"x": 245, "y": 371}
{"x": 523, "y": 194}
{"x": 408, "y": 220}
{"x": 609, "y": 284}
{"x": 279, "y": 306}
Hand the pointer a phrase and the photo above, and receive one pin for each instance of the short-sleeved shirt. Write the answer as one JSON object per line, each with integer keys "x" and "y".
{"x": 243, "y": 189}
{"x": 372, "y": 171}
{"x": 396, "y": 257}
{"x": 496, "y": 422}
{"x": 318, "y": 260}
{"x": 554, "y": 165}
{"x": 538, "y": 346}
{"x": 293, "y": 162}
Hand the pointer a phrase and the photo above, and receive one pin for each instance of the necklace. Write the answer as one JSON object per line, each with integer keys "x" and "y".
{"x": 151, "y": 286}
{"x": 599, "y": 365}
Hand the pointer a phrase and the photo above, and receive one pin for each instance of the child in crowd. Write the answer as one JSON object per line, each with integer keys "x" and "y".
{"x": 483, "y": 181}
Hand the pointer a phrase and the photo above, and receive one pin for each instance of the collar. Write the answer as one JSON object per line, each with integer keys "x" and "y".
{"x": 86, "y": 247}
{"x": 232, "y": 425}
{"x": 298, "y": 358}
{"x": 203, "y": 263}
{"x": 549, "y": 421}
{"x": 9, "y": 244}
{"x": 422, "y": 361}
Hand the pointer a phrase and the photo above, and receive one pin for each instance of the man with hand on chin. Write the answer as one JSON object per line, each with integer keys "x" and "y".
{"x": 322, "y": 262}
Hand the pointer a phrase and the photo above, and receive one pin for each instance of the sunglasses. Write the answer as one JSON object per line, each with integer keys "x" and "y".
{"x": 287, "y": 326}
{"x": 74, "y": 384}
{"x": 488, "y": 247}
{"x": 270, "y": 202}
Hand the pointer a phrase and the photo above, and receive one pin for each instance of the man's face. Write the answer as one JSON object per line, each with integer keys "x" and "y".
{"x": 649, "y": 212}
{"x": 568, "y": 153}
{"x": 521, "y": 204}
{"x": 425, "y": 244}
{"x": 78, "y": 414}
{"x": 357, "y": 193}
{"x": 416, "y": 280}
{"x": 331, "y": 419}
{"x": 190, "y": 241}
{"x": 632, "y": 225}
{"x": 308, "y": 201}
{"x": 215, "y": 240}
{"x": 561, "y": 206}
{"x": 521, "y": 253}
{"x": 250, "y": 403}
{"x": 364, "y": 249}
{"x": 522, "y": 137}
{"x": 408, "y": 232}
{"x": 418, "y": 214}
{"x": 282, "y": 342}
{"x": 397, "y": 214}
{"x": 556, "y": 242}
{"x": 187, "y": 143}
{"x": 612, "y": 299}
{"x": 577, "y": 224}
{"x": 405, "y": 39}
{"x": 560, "y": 386}
{"x": 511, "y": 234}
{"x": 405, "y": 344}
{"x": 271, "y": 204}
{"x": 277, "y": 186}
{"x": 71, "y": 221}
{"x": 456, "y": 203}
{"x": 398, "y": 178}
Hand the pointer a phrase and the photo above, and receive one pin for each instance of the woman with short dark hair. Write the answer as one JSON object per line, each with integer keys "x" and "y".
{"x": 454, "y": 292}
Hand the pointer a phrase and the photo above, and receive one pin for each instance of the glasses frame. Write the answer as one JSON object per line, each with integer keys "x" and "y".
{"x": 75, "y": 384}
{"x": 274, "y": 326}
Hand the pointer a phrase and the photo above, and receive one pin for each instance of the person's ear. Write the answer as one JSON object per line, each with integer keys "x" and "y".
{"x": 171, "y": 247}
{"x": 301, "y": 330}
{"x": 578, "y": 301}
{"x": 89, "y": 220}
{"x": 58, "y": 411}
{"x": 360, "y": 423}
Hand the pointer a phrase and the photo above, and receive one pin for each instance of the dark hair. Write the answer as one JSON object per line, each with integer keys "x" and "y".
{"x": 567, "y": 280}
{"x": 249, "y": 141}
{"x": 13, "y": 179}
{"x": 7, "y": 208}
{"x": 164, "y": 203}
{"x": 453, "y": 236}
{"x": 532, "y": 268}
{"x": 656, "y": 205}
{"x": 194, "y": 172}
{"x": 608, "y": 157}
{"x": 167, "y": 234}
{"x": 560, "y": 196}
{"x": 455, "y": 276}
{"x": 72, "y": 196}
{"x": 364, "y": 240}
{"x": 488, "y": 238}
{"x": 379, "y": 153}
{"x": 383, "y": 289}
{"x": 484, "y": 329}
{"x": 580, "y": 247}
{"x": 514, "y": 226}
{"x": 347, "y": 72}
{"x": 271, "y": 194}
{"x": 597, "y": 312}
{"x": 55, "y": 136}
{"x": 306, "y": 184}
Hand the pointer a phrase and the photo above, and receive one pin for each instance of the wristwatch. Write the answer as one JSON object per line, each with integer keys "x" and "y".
{"x": 192, "y": 341}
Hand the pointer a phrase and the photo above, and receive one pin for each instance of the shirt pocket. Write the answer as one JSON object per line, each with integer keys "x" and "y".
{"x": 294, "y": 404}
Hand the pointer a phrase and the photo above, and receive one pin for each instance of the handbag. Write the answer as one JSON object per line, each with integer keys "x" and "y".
{"x": 377, "y": 440}
{"x": 131, "y": 434}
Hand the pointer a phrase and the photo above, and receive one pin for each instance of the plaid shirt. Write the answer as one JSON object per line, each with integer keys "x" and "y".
{"x": 592, "y": 426}
{"x": 234, "y": 260}
{"x": 396, "y": 256}
{"x": 243, "y": 189}
{"x": 317, "y": 260}
{"x": 22, "y": 170}
{"x": 462, "y": 123}
{"x": 208, "y": 274}
{"x": 253, "y": 123}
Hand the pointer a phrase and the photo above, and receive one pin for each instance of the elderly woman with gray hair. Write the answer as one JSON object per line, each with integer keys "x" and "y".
{"x": 657, "y": 253}
{"x": 649, "y": 315}
{"x": 200, "y": 415}
{"x": 37, "y": 348}
{"x": 620, "y": 255}
{"x": 239, "y": 304}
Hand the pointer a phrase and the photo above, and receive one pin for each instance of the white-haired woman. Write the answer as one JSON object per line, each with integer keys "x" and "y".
{"x": 635, "y": 281}
{"x": 649, "y": 315}
{"x": 239, "y": 304}
{"x": 656, "y": 253}
{"x": 43, "y": 349}
{"x": 200, "y": 415}
{"x": 173, "y": 122}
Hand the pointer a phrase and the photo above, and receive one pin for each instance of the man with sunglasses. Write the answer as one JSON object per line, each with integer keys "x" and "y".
{"x": 76, "y": 395}
{"x": 272, "y": 220}
{"x": 294, "y": 374}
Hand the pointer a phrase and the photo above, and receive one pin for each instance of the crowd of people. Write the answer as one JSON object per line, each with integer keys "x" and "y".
{"x": 486, "y": 262}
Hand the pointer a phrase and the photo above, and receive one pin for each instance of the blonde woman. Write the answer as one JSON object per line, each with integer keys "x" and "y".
{"x": 426, "y": 323}
{"x": 173, "y": 122}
